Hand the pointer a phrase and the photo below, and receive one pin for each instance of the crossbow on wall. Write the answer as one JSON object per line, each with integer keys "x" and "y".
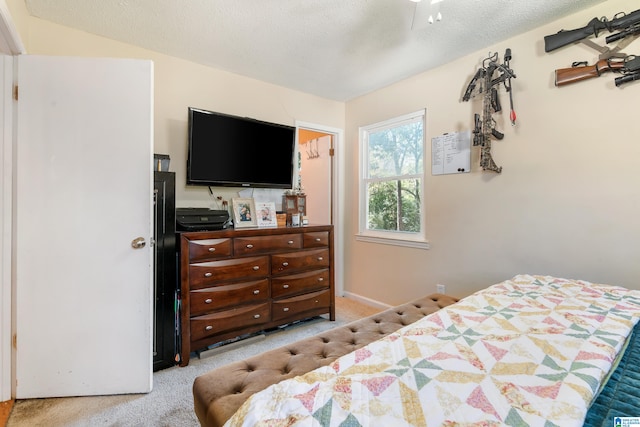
{"x": 485, "y": 81}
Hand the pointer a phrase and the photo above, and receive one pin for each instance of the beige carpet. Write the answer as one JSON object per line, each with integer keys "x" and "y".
{"x": 170, "y": 403}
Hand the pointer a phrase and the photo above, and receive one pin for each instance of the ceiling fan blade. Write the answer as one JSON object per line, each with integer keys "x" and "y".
{"x": 420, "y": 15}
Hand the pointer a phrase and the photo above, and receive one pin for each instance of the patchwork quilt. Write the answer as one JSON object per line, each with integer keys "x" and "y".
{"x": 530, "y": 351}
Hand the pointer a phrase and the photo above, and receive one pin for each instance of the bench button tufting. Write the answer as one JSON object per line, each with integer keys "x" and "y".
{"x": 365, "y": 332}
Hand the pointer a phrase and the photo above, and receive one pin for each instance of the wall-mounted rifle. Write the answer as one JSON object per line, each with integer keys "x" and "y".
{"x": 485, "y": 82}
{"x": 628, "y": 67}
{"x": 623, "y": 24}
{"x": 627, "y": 27}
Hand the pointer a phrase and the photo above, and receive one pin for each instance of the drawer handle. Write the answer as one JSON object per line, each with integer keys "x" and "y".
{"x": 320, "y": 279}
{"x": 285, "y": 309}
{"x": 256, "y": 316}
{"x": 318, "y": 239}
{"x": 208, "y": 274}
{"x": 285, "y": 264}
{"x": 290, "y": 242}
{"x": 320, "y": 258}
{"x": 249, "y": 246}
{"x": 285, "y": 286}
{"x": 208, "y": 301}
{"x": 212, "y": 249}
{"x": 256, "y": 292}
{"x": 256, "y": 267}
{"x": 208, "y": 328}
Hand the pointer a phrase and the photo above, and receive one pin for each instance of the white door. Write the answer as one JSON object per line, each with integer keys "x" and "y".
{"x": 84, "y": 148}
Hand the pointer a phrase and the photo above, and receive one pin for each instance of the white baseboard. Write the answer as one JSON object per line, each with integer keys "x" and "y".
{"x": 367, "y": 301}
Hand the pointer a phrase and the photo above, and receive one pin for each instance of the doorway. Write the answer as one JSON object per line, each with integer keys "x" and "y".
{"x": 320, "y": 166}
{"x": 315, "y": 150}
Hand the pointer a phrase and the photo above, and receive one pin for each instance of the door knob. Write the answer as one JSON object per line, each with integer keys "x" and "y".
{"x": 138, "y": 243}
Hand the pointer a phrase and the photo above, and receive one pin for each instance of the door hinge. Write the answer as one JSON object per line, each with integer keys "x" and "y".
{"x": 15, "y": 92}
{"x": 331, "y": 151}
{"x": 15, "y": 341}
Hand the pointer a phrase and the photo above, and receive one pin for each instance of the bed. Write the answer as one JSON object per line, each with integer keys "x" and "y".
{"x": 530, "y": 351}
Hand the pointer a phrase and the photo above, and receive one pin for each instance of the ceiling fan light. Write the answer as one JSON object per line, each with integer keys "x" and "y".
{"x": 439, "y": 17}
{"x": 430, "y": 19}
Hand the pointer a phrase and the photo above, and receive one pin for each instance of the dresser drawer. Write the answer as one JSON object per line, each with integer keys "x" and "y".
{"x": 200, "y": 250}
{"x": 205, "y": 273}
{"x": 262, "y": 244}
{"x": 222, "y": 321}
{"x": 218, "y": 297}
{"x": 295, "y": 305}
{"x": 315, "y": 239}
{"x": 317, "y": 258}
{"x": 296, "y": 283}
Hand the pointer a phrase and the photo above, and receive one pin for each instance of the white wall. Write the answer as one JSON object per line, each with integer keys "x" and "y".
{"x": 178, "y": 85}
{"x": 568, "y": 199}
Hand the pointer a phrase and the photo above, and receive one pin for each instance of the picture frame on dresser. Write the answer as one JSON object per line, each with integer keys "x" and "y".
{"x": 244, "y": 212}
{"x": 266, "y": 214}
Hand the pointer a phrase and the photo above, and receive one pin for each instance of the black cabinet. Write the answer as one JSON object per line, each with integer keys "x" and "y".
{"x": 165, "y": 339}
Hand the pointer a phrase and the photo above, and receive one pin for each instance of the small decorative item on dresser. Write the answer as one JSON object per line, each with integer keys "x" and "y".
{"x": 294, "y": 203}
{"x": 244, "y": 213}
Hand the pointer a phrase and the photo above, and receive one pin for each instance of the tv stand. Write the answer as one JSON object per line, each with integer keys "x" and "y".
{"x": 237, "y": 282}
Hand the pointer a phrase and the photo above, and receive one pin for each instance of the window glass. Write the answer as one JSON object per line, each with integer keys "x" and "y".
{"x": 391, "y": 187}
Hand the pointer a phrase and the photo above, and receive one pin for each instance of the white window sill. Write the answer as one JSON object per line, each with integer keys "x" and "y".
{"x": 395, "y": 242}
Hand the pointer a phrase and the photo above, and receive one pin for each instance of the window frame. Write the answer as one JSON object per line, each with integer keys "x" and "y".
{"x": 390, "y": 237}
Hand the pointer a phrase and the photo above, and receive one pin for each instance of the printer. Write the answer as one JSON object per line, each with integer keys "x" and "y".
{"x": 201, "y": 219}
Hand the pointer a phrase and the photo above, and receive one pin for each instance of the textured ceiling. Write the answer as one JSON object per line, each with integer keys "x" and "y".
{"x": 336, "y": 49}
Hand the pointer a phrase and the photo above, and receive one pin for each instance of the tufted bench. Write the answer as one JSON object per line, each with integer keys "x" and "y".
{"x": 220, "y": 393}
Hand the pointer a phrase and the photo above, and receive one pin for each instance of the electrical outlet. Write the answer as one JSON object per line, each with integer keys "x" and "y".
{"x": 440, "y": 289}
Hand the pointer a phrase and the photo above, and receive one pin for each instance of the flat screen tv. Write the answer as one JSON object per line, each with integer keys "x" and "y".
{"x": 232, "y": 151}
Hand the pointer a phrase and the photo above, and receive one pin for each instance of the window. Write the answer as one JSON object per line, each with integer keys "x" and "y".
{"x": 392, "y": 181}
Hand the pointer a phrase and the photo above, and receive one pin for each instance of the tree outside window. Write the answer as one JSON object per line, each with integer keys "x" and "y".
{"x": 392, "y": 159}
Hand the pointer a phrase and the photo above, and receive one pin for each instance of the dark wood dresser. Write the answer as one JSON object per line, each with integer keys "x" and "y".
{"x": 237, "y": 282}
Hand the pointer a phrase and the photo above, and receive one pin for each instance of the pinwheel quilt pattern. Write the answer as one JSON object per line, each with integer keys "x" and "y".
{"x": 530, "y": 351}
